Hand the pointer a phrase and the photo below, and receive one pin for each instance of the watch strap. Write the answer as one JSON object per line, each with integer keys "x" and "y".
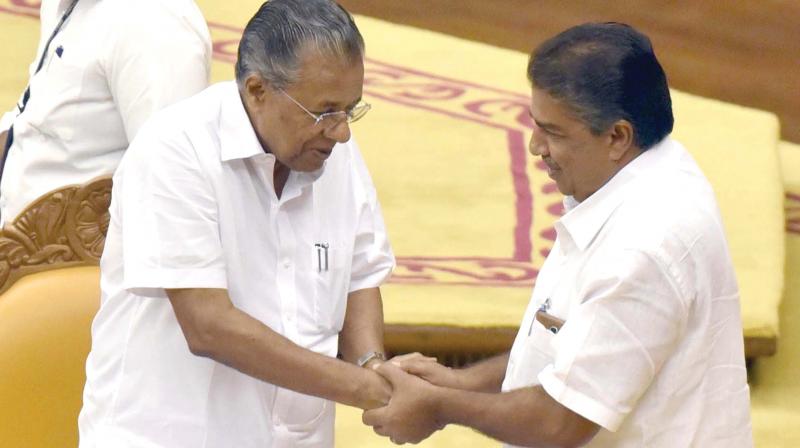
{"x": 369, "y": 356}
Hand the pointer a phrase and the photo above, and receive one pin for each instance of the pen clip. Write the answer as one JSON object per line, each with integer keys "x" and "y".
{"x": 322, "y": 256}
{"x": 545, "y": 306}
{"x": 542, "y": 309}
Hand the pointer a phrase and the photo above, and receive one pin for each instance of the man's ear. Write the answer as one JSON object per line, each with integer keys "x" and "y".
{"x": 255, "y": 88}
{"x": 621, "y": 142}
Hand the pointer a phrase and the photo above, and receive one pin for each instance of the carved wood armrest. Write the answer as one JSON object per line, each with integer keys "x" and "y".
{"x": 63, "y": 228}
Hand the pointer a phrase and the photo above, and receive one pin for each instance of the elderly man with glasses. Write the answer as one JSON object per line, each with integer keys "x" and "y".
{"x": 245, "y": 251}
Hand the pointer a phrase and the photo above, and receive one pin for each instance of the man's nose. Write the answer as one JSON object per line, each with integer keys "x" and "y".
{"x": 339, "y": 131}
{"x": 537, "y": 145}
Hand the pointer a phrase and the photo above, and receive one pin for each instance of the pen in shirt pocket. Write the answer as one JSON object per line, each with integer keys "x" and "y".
{"x": 548, "y": 321}
{"x": 322, "y": 256}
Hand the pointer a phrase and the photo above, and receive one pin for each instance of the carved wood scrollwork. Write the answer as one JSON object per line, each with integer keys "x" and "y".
{"x": 63, "y": 228}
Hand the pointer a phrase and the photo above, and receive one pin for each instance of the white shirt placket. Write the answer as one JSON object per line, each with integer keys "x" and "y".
{"x": 285, "y": 272}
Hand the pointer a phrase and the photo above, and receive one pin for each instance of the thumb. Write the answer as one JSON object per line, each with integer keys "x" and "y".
{"x": 391, "y": 372}
{"x": 374, "y": 417}
{"x": 421, "y": 370}
{"x": 412, "y": 359}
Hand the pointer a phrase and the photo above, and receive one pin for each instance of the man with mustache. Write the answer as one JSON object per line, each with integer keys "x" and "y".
{"x": 633, "y": 335}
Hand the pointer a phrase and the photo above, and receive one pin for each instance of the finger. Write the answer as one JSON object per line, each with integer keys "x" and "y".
{"x": 416, "y": 364}
{"x": 391, "y": 372}
{"x": 381, "y": 431}
{"x": 427, "y": 370}
{"x": 374, "y": 417}
{"x": 415, "y": 367}
{"x": 411, "y": 356}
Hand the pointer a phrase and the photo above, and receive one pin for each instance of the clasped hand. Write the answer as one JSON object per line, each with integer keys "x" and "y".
{"x": 412, "y": 414}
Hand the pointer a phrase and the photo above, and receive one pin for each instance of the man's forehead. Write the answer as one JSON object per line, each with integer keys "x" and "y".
{"x": 320, "y": 96}
{"x": 550, "y": 112}
{"x": 313, "y": 63}
{"x": 329, "y": 84}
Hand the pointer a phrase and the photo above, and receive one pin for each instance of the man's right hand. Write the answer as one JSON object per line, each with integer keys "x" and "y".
{"x": 376, "y": 391}
{"x": 413, "y": 412}
{"x": 429, "y": 370}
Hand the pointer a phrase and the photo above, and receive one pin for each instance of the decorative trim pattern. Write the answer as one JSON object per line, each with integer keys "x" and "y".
{"x": 63, "y": 228}
{"x": 793, "y": 212}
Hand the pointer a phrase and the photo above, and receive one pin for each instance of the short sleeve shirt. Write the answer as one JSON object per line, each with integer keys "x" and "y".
{"x": 112, "y": 64}
{"x": 652, "y": 347}
{"x": 194, "y": 207}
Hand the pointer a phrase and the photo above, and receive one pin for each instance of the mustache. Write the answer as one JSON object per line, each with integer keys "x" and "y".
{"x": 549, "y": 162}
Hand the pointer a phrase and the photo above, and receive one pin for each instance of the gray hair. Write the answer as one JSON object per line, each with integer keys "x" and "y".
{"x": 281, "y": 28}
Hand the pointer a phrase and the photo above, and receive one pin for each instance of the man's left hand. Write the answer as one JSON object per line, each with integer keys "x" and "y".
{"x": 411, "y": 415}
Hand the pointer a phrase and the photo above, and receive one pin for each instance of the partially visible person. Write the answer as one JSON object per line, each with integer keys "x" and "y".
{"x": 633, "y": 335}
{"x": 102, "y": 68}
{"x": 246, "y": 250}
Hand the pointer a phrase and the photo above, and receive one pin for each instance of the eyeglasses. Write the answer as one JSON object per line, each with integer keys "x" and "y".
{"x": 331, "y": 119}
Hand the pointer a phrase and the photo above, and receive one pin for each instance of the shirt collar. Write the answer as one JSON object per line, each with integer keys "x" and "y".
{"x": 583, "y": 220}
{"x": 62, "y": 6}
{"x": 237, "y": 137}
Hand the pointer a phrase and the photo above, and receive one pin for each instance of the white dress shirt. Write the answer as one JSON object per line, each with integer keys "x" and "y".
{"x": 194, "y": 207}
{"x": 652, "y": 348}
{"x": 120, "y": 61}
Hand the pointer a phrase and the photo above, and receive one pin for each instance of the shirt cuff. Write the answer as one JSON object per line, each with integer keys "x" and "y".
{"x": 372, "y": 280}
{"x": 578, "y": 402}
{"x": 176, "y": 279}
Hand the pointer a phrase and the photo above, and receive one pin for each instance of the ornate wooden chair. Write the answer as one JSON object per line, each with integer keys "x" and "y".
{"x": 49, "y": 293}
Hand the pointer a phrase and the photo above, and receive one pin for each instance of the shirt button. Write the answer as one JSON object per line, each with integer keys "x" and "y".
{"x": 287, "y": 263}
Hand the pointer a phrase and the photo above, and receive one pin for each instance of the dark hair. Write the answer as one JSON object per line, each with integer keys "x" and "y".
{"x": 605, "y": 72}
{"x": 274, "y": 36}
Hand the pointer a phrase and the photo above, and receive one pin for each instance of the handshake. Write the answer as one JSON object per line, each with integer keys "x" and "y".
{"x": 412, "y": 387}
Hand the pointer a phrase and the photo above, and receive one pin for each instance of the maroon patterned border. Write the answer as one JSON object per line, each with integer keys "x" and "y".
{"x": 457, "y": 99}
{"x": 460, "y": 100}
{"x": 793, "y": 213}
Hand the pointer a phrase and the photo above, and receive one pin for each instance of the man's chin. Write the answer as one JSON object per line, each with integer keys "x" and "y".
{"x": 308, "y": 166}
{"x": 562, "y": 189}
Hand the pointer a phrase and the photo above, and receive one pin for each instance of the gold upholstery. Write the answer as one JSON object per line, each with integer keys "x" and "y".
{"x": 50, "y": 291}
{"x": 45, "y": 321}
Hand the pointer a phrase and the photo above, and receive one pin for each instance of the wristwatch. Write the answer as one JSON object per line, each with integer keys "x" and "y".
{"x": 369, "y": 356}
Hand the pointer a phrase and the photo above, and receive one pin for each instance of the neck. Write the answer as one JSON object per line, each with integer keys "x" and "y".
{"x": 626, "y": 158}
{"x": 280, "y": 175}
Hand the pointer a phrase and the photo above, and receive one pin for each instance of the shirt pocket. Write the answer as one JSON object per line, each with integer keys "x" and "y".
{"x": 331, "y": 265}
{"x": 299, "y": 413}
{"x": 55, "y": 96}
{"x": 536, "y": 353}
